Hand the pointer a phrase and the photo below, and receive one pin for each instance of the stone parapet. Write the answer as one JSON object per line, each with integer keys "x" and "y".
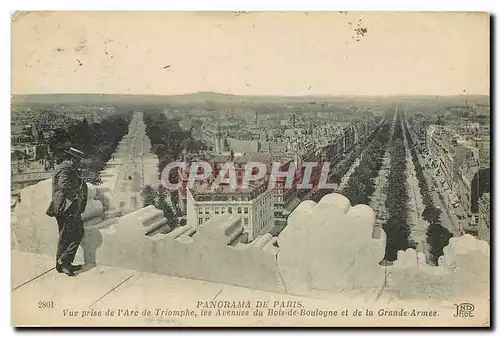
{"x": 327, "y": 248}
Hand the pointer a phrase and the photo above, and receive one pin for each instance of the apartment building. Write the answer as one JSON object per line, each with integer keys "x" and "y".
{"x": 460, "y": 177}
{"x": 484, "y": 218}
{"x": 254, "y": 205}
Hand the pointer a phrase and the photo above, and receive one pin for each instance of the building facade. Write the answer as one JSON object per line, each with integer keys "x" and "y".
{"x": 253, "y": 205}
{"x": 484, "y": 218}
{"x": 459, "y": 177}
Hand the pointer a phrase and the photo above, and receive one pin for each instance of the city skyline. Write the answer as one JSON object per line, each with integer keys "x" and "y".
{"x": 274, "y": 54}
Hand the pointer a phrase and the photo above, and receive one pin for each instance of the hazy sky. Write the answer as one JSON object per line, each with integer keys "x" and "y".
{"x": 251, "y": 54}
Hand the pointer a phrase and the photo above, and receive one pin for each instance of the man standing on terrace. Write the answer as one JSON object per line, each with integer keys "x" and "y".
{"x": 69, "y": 199}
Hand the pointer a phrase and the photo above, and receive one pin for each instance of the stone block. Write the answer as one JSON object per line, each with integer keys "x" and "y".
{"x": 329, "y": 246}
{"x": 209, "y": 253}
{"x": 125, "y": 244}
{"x": 463, "y": 272}
{"x": 468, "y": 259}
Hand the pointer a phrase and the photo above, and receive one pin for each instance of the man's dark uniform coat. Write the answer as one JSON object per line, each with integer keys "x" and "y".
{"x": 68, "y": 189}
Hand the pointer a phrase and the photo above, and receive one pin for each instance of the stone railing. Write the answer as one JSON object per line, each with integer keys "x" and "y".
{"x": 326, "y": 249}
{"x": 212, "y": 252}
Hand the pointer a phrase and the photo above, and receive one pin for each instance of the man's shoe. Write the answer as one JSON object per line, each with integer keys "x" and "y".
{"x": 67, "y": 270}
{"x": 73, "y": 267}
{"x": 76, "y": 267}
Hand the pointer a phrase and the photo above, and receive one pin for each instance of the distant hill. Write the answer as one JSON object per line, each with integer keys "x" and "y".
{"x": 155, "y": 99}
{"x": 137, "y": 99}
{"x": 199, "y": 97}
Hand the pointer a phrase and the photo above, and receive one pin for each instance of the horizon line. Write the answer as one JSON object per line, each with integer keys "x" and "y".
{"x": 254, "y": 95}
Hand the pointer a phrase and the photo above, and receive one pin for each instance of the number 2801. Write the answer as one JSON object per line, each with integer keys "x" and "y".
{"x": 45, "y": 304}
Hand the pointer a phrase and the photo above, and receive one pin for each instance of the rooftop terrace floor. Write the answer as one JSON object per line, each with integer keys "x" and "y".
{"x": 105, "y": 289}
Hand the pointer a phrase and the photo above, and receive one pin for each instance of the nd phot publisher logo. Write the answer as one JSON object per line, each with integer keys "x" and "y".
{"x": 464, "y": 310}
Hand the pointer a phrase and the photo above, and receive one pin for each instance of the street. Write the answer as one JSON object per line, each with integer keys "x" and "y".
{"x": 446, "y": 220}
{"x": 130, "y": 154}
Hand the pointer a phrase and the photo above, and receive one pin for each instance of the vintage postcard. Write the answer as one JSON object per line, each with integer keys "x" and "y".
{"x": 250, "y": 169}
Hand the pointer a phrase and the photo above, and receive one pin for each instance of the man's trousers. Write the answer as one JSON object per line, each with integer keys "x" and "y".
{"x": 70, "y": 235}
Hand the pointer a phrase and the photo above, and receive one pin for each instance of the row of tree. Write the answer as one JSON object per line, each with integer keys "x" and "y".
{"x": 361, "y": 184}
{"x": 345, "y": 164}
{"x": 97, "y": 140}
{"x": 397, "y": 228}
{"x": 158, "y": 196}
{"x": 347, "y": 161}
{"x": 437, "y": 236}
{"x": 168, "y": 140}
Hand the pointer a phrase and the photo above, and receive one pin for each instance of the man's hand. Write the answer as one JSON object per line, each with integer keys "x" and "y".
{"x": 67, "y": 204}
